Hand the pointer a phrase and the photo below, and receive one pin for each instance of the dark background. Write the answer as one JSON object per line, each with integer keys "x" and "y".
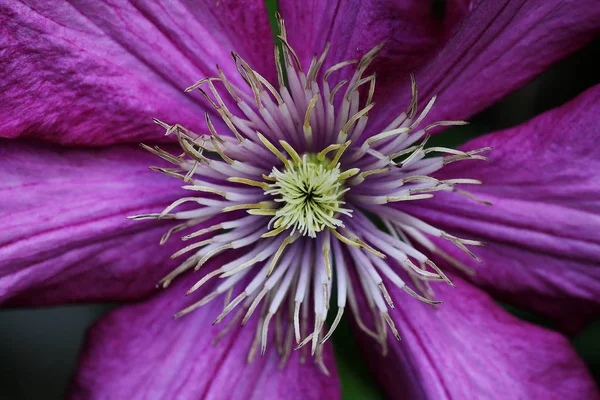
{"x": 39, "y": 347}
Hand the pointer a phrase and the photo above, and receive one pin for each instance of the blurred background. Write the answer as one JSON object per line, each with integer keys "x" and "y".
{"x": 39, "y": 347}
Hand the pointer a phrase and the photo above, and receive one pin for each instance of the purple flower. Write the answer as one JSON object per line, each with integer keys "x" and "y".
{"x": 284, "y": 184}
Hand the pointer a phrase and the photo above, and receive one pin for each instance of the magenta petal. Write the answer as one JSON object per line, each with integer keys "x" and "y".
{"x": 456, "y": 10}
{"x": 97, "y": 72}
{"x": 65, "y": 236}
{"x": 499, "y": 46}
{"x": 141, "y": 352}
{"x": 409, "y": 28}
{"x": 543, "y": 229}
{"x": 470, "y": 348}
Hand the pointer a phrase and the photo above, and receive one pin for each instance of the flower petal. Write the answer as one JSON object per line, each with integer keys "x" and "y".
{"x": 470, "y": 348}
{"x": 95, "y": 72}
{"x": 140, "y": 351}
{"x": 409, "y": 28}
{"x": 65, "y": 236}
{"x": 498, "y": 47}
{"x": 543, "y": 229}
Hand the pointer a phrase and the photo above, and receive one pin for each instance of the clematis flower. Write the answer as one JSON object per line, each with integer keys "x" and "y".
{"x": 306, "y": 187}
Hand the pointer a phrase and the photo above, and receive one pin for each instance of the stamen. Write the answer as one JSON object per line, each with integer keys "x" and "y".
{"x": 307, "y": 128}
{"x": 288, "y": 183}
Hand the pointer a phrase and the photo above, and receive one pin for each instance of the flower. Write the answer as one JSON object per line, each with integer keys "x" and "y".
{"x": 93, "y": 73}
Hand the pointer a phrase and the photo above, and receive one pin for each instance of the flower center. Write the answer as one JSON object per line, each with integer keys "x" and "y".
{"x": 296, "y": 239}
{"x": 310, "y": 190}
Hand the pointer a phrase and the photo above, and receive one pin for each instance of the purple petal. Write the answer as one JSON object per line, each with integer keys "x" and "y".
{"x": 470, "y": 348}
{"x": 409, "y": 28}
{"x": 497, "y": 48}
{"x": 456, "y": 10}
{"x": 94, "y": 72}
{"x": 65, "y": 236}
{"x": 141, "y": 352}
{"x": 543, "y": 229}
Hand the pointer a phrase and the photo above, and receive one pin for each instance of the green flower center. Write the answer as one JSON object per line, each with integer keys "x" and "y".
{"x": 311, "y": 191}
